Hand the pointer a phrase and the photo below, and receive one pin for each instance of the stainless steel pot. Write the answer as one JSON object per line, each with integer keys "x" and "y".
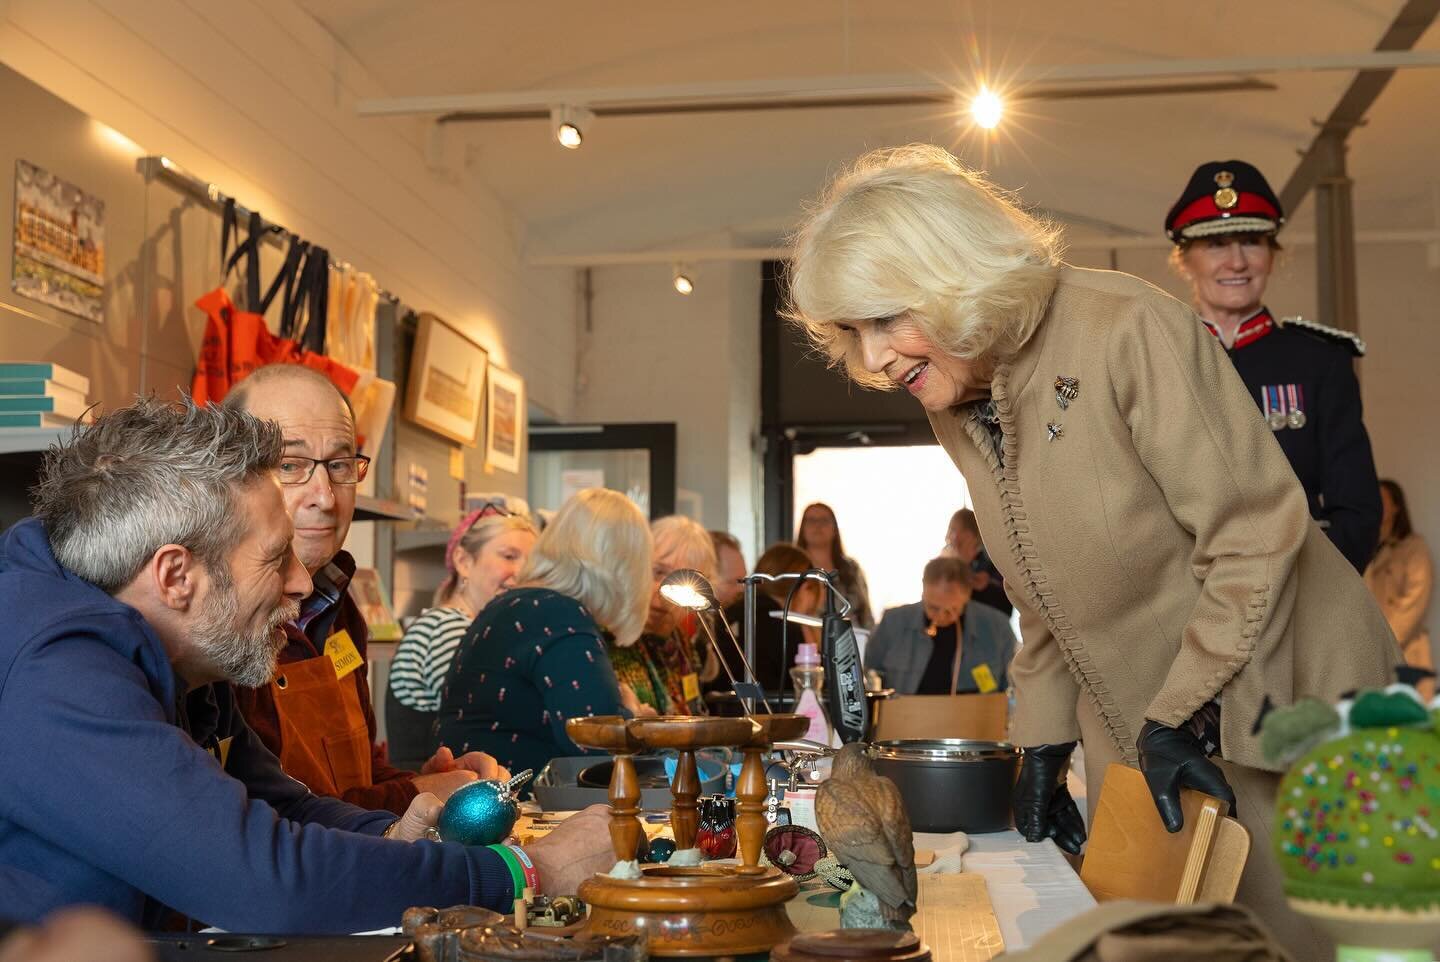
{"x": 951, "y": 784}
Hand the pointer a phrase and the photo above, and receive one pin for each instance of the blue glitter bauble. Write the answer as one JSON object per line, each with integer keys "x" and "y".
{"x": 481, "y": 813}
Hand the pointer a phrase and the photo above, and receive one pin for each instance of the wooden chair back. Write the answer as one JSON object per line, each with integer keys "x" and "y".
{"x": 1131, "y": 856}
{"x": 981, "y": 717}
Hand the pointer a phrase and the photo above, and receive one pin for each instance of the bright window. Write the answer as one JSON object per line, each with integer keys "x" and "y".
{"x": 894, "y": 506}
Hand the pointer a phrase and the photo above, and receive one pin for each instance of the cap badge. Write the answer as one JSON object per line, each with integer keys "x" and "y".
{"x": 1225, "y": 197}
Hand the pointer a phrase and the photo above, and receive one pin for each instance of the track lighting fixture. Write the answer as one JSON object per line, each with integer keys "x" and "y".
{"x": 570, "y": 124}
{"x": 684, "y": 279}
{"x": 987, "y": 108}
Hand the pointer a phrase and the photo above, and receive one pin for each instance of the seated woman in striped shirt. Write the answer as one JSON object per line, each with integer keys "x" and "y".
{"x": 485, "y": 552}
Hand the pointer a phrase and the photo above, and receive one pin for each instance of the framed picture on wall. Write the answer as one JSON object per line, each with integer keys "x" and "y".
{"x": 446, "y": 392}
{"x": 506, "y": 420}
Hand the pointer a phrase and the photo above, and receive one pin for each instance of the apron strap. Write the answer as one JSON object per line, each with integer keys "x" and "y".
{"x": 286, "y": 274}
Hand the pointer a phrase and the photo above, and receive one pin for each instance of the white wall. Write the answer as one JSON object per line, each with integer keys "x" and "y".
{"x": 1399, "y": 293}
{"x": 654, "y": 355}
{"x": 256, "y": 97}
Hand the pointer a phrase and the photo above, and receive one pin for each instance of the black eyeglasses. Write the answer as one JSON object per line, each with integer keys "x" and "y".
{"x": 493, "y": 509}
{"x": 347, "y": 470}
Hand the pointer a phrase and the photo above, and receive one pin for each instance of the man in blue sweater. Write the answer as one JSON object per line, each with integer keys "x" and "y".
{"x": 159, "y": 567}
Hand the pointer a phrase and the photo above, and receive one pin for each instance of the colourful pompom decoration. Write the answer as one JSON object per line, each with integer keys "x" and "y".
{"x": 1357, "y": 818}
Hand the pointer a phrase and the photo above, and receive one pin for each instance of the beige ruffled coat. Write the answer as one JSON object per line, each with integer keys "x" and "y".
{"x": 1158, "y": 548}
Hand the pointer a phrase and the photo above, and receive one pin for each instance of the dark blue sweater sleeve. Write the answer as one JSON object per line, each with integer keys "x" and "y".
{"x": 93, "y": 766}
{"x": 575, "y": 679}
{"x": 250, "y": 760}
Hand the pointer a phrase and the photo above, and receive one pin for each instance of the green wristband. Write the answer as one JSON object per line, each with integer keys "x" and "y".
{"x": 517, "y": 874}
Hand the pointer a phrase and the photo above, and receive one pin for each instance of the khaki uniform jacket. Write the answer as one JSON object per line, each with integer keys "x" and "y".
{"x": 1160, "y": 550}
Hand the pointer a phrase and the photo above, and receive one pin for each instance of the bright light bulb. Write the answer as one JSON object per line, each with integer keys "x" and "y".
{"x": 987, "y": 108}
{"x": 686, "y": 596}
{"x": 569, "y": 136}
{"x": 683, "y": 284}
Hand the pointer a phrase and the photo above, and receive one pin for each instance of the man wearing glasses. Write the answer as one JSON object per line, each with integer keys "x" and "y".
{"x": 316, "y": 714}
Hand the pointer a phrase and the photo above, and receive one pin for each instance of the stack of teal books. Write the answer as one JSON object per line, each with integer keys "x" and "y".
{"x": 41, "y": 395}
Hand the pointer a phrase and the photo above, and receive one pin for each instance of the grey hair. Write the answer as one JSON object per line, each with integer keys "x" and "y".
{"x": 148, "y": 475}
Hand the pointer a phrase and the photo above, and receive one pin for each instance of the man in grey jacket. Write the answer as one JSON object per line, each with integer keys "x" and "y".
{"x": 944, "y": 644}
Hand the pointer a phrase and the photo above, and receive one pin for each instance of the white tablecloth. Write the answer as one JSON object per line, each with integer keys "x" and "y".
{"x": 1032, "y": 888}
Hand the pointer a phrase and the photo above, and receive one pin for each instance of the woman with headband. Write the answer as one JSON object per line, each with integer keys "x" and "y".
{"x": 485, "y": 552}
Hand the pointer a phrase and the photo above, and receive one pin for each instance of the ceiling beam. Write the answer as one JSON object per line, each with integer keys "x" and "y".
{"x": 1409, "y": 25}
{"x": 943, "y": 96}
{"x": 1076, "y": 241}
{"x": 800, "y": 92}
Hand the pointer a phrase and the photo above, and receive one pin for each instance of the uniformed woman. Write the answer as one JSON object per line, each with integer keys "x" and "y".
{"x": 1299, "y": 372}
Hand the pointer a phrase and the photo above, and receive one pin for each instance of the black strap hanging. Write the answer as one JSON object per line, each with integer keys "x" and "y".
{"x": 313, "y": 291}
{"x": 228, "y": 229}
{"x": 250, "y": 249}
{"x": 285, "y": 275}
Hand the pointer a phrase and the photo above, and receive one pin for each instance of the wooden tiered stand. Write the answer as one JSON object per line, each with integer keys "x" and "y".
{"x": 704, "y": 910}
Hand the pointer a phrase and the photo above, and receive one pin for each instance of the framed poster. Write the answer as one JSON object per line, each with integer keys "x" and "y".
{"x": 507, "y": 411}
{"x": 59, "y": 243}
{"x": 446, "y": 392}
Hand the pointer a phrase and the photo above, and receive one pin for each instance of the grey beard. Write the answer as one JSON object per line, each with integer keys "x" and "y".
{"x": 243, "y": 659}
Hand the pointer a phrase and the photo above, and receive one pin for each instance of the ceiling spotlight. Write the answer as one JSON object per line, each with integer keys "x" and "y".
{"x": 987, "y": 108}
{"x": 684, "y": 282}
{"x": 570, "y": 123}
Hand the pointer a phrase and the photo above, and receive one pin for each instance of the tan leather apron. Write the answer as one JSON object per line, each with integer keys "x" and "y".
{"x": 309, "y": 701}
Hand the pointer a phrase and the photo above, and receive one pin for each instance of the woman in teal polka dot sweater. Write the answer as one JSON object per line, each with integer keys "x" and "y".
{"x": 536, "y": 655}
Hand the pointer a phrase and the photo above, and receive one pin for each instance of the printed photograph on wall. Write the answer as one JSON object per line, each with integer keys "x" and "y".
{"x": 446, "y": 392}
{"x": 507, "y": 411}
{"x": 59, "y": 243}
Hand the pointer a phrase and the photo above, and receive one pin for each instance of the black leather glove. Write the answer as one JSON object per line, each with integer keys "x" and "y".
{"x": 1042, "y": 804}
{"x": 1173, "y": 758}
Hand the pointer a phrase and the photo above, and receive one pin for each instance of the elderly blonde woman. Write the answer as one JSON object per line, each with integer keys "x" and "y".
{"x": 536, "y": 656}
{"x": 1149, "y": 530}
{"x": 482, "y": 558}
{"x": 665, "y": 665}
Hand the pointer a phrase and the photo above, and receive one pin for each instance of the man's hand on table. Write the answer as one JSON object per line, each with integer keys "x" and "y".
{"x": 577, "y": 849}
{"x": 444, "y": 774}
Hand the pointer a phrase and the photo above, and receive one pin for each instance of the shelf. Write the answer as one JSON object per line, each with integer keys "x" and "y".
{"x": 422, "y": 539}
{"x": 381, "y": 509}
{"x": 30, "y": 440}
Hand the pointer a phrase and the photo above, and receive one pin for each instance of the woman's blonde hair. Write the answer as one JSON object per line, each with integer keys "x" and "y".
{"x": 912, "y": 231}
{"x": 597, "y": 550}
{"x": 687, "y": 541}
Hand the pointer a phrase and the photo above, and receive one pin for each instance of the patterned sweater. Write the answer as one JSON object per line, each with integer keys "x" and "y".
{"x": 532, "y": 659}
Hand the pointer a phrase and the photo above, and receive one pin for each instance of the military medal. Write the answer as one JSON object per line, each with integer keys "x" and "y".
{"x": 1273, "y": 401}
{"x": 1055, "y": 430}
{"x": 1067, "y": 389}
{"x": 1296, "y": 417}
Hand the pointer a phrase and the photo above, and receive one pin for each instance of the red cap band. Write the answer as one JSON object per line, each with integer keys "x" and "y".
{"x": 1205, "y": 208}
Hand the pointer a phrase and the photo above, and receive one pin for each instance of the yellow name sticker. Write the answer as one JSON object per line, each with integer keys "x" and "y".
{"x": 691, "y": 684}
{"x": 346, "y": 657}
{"x": 983, "y": 679}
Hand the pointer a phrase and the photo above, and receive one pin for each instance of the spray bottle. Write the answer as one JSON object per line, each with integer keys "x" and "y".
{"x": 809, "y": 680}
